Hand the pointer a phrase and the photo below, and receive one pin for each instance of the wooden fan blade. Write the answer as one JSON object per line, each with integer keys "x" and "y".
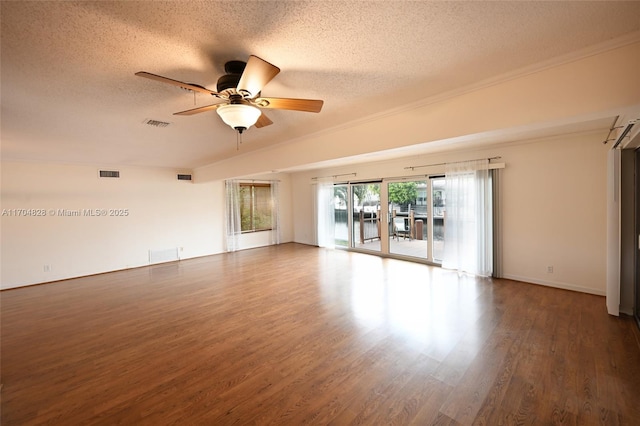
{"x": 256, "y": 75}
{"x": 306, "y": 105}
{"x": 197, "y": 110}
{"x": 263, "y": 121}
{"x": 181, "y": 84}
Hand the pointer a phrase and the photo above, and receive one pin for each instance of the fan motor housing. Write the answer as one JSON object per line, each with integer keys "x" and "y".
{"x": 227, "y": 81}
{"x": 234, "y": 67}
{"x": 233, "y": 70}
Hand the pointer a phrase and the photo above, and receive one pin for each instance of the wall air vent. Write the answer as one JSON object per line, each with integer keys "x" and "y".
{"x": 156, "y": 123}
{"x": 164, "y": 255}
{"x": 184, "y": 177}
{"x": 109, "y": 174}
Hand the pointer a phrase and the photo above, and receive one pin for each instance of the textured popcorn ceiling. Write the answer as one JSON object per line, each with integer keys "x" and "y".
{"x": 69, "y": 92}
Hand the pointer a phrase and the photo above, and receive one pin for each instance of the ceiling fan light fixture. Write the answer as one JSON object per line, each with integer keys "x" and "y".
{"x": 239, "y": 116}
{"x": 239, "y": 94}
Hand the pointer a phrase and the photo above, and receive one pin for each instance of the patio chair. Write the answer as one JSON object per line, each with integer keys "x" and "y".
{"x": 400, "y": 227}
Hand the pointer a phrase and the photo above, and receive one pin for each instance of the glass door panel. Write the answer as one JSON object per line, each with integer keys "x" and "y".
{"x": 365, "y": 213}
{"x": 438, "y": 215}
{"x": 407, "y": 224}
{"x": 341, "y": 212}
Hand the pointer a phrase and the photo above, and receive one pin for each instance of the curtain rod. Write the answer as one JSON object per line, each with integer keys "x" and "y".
{"x": 334, "y": 176}
{"x": 611, "y": 129}
{"x": 444, "y": 164}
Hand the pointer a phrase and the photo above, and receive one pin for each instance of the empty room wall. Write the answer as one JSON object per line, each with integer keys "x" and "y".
{"x": 153, "y": 211}
{"x": 156, "y": 212}
{"x": 553, "y": 206}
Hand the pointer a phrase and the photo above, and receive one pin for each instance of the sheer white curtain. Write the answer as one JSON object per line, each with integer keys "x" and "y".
{"x": 232, "y": 215}
{"x": 468, "y": 221}
{"x": 326, "y": 213}
{"x": 275, "y": 212}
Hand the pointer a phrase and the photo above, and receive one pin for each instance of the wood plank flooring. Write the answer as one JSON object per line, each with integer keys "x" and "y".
{"x": 293, "y": 334}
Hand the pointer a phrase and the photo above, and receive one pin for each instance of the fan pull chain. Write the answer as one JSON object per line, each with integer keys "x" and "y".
{"x": 194, "y": 98}
{"x": 238, "y": 140}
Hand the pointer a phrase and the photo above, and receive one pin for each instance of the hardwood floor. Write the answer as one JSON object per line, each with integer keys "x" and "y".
{"x": 293, "y": 334}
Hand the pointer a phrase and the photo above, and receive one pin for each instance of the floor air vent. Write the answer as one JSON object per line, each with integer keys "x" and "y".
{"x": 109, "y": 174}
{"x": 165, "y": 255}
{"x": 184, "y": 177}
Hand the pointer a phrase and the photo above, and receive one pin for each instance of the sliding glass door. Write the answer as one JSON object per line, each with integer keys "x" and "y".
{"x": 416, "y": 218}
{"x": 418, "y": 215}
{"x": 365, "y": 216}
{"x": 341, "y": 214}
{"x": 411, "y": 225}
{"x": 407, "y": 220}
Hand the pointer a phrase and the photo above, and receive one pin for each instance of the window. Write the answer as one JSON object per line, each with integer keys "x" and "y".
{"x": 256, "y": 207}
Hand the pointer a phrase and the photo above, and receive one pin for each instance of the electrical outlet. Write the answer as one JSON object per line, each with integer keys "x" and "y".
{"x": 47, "y": 268}
{"x": 550, "y": 269}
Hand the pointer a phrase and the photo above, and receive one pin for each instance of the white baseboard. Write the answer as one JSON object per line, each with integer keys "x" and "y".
{"x": 556, "y": 284}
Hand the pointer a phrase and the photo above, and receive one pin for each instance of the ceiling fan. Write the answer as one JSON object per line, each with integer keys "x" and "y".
{"x": 238, "y": 93}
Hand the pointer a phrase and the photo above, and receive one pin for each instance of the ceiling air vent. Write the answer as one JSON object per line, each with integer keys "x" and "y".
{"x": 184, "y": 177}
{"x": 109, "y": 174}
{"x": 156, "y": 123}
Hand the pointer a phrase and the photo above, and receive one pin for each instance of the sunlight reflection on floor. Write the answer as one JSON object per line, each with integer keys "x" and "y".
{"x": 426, "y": 307}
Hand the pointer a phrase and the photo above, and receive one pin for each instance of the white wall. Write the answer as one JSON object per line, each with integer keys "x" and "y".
{"x": 163, "y": 213}
{"x": 553, "y": 206}
{"x": 554, "y": 213}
